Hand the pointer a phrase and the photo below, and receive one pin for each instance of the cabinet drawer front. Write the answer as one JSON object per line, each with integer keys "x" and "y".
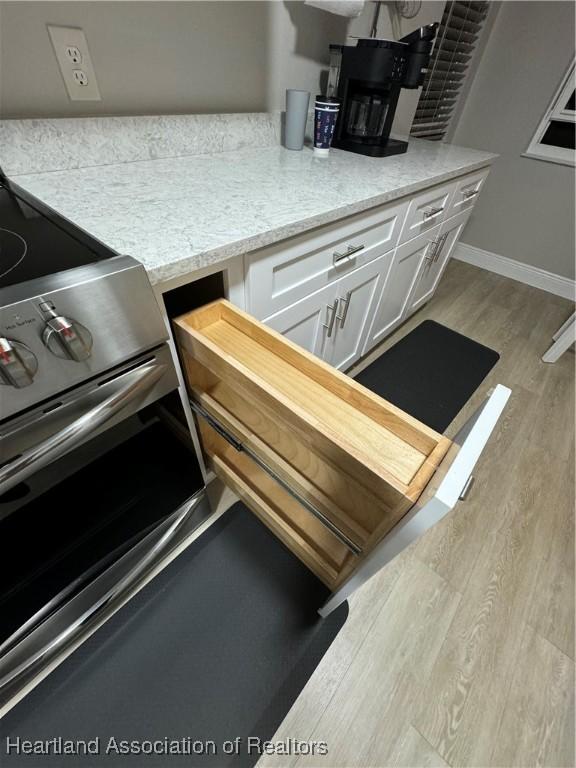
{"x": 352, "y": 459}
{"x": 426, "y": 210}
{"x": 467, "y": 191}
{"x": 286, "y": 272}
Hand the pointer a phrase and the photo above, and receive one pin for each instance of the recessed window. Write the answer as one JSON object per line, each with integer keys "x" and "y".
{"x": 559, "y": 135}
{"x": 555, "y": 136}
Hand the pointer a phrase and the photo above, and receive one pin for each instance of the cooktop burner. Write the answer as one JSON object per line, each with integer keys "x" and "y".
{"x": 35, "y": 243}
{"x": 13, "y": 249}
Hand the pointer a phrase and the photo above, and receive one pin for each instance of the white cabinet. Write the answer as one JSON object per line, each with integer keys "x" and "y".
{"x": 435, "y": 261}
{"x": 340, "y": 289}
{"x": 333, "y": 322}
{"x": 281, "y": 274}
{"x": 392, "y": 302}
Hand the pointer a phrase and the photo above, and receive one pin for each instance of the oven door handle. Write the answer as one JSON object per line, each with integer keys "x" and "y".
{"x": 140, "y": 381}
{"x": 155, "y": 546}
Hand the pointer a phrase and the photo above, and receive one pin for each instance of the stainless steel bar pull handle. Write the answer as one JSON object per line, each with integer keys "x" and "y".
{"x": 138, "y": 382}
{"x": 430, "y": 212}
{"x": 346, "y": 302}
{"x": 470, "y": 193}
{"x": 332, "y": 308}
{"x": 432, "y": 255}
{"x": 439, "y": 246}
{"x": 350, "y": 251}
{"x": 467, "y": 488}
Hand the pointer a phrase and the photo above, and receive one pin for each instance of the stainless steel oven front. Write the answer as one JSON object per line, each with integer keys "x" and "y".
{"x": 99, "y": 490}
{"x": 99, "y": 480}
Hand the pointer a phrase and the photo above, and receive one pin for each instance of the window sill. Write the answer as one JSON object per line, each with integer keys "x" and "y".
{"x": 550, "y": 158}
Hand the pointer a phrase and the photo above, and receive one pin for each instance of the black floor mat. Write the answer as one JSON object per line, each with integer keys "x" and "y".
{"x": 431, "y": 373}
{"x": 218, "y": 646}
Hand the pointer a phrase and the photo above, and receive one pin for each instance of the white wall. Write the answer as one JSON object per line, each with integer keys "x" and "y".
{"x": 526, "y": 211}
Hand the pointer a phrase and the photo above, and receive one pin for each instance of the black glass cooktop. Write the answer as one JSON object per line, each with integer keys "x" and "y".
{"x": 34, "y": 242}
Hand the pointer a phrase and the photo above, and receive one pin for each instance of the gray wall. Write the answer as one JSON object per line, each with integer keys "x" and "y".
{"x": 298, "y": 40}
{"x": 181, "y": 57}
{"x": 526, "y": 211}
{"x": 149, "y": 57}
{"x": 166, "y": 57}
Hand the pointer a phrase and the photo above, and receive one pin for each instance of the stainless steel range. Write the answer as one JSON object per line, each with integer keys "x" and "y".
{"x": 94, "y": 490}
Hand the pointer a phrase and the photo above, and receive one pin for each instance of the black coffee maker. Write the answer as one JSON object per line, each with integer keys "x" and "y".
{"x": 367, "y": 78}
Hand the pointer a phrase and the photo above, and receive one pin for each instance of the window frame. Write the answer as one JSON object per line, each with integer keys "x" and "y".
{"x": 555, "y": 112}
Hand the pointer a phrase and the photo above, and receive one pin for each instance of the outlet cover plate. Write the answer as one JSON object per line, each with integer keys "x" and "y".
{"x": 73, "y": 38}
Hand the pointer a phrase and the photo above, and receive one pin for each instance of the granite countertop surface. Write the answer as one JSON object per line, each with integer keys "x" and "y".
{"x": 177, "y": 215}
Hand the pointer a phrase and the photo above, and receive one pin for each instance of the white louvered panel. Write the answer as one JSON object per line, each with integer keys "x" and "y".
{"x": 457, "y": 36}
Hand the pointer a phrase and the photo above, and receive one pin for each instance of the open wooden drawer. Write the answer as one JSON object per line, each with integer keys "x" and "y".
{"x": 328, "y": 465}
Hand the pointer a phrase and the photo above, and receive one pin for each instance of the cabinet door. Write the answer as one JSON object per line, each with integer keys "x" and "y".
{"x": 397, "y": 288}
{"x": 307, "y": 322}
{"x": 356, "y": 295}
{"x": 436, "y": 260}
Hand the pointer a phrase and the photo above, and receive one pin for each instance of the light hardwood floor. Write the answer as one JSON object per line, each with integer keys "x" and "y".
{"x": 461, "y": 651}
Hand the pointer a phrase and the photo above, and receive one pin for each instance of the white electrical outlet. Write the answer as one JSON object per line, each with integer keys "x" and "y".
{"x": 73, "y": 56}
{"x": 80, "y": 77}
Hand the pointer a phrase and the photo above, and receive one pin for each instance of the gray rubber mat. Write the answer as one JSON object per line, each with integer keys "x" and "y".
{"x": 216, "y": 648}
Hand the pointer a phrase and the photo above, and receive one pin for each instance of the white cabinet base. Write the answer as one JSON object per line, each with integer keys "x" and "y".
{"x": 334, "y": 292}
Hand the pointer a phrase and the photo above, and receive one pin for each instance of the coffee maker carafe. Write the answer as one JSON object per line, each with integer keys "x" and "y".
{"x": 367, "y": 78}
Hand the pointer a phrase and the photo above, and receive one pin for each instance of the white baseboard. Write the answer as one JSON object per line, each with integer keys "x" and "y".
{"x": 516, "y": 270}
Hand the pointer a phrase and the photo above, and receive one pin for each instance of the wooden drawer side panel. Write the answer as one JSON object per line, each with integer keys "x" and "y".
{"x": 338, "y": 494}
{"x": 327, "y": 466}
{"x": 387, "y": 415}
{"x": 314, "y": 544}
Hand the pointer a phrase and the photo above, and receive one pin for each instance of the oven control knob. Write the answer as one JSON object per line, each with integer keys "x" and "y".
{"x": 18, "y": 365}
{"x": 66, "y": 338}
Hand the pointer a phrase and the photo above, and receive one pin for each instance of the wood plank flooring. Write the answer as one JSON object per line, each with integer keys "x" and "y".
{"x": 461, "y": 651}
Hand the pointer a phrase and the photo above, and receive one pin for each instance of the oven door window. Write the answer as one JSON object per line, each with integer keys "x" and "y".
{"x": 55, "y": 544}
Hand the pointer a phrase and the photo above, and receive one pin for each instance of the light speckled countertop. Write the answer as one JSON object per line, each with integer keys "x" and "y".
{"x": 177, "y": 215}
